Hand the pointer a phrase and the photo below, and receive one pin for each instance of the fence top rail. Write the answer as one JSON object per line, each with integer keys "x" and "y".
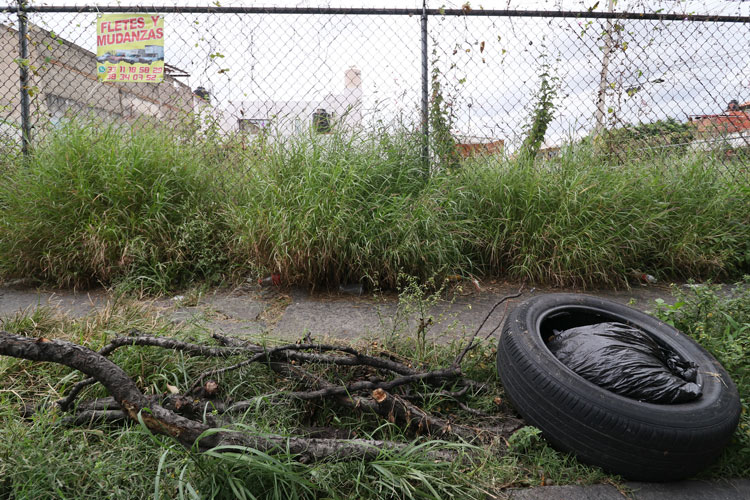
{"x": 373, "y": 11}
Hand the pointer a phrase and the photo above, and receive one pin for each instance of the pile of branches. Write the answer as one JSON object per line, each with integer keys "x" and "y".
{"x": 386, "y": 390}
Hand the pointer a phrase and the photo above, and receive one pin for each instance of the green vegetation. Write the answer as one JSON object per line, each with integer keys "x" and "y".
{"x": 543, "y": 114}
{"x": 719, "y": 319}
{"x": 646, "y": 138}
{"x": 578, "y": 222}
{"x": 150, "y": 211}
{"x": 43, "y": 457}
{"x": 98, "y": 205}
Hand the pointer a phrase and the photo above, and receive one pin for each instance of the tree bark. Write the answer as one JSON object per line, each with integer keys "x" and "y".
{"x": 190, "y": 433}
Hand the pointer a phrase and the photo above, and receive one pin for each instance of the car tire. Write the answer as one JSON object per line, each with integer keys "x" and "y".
{"x": 638, "y": 440}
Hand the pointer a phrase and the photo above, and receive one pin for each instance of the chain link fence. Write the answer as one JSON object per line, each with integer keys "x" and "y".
{"x": 635, "y": 82}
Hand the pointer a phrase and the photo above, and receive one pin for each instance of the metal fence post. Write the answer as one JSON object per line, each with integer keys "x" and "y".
{"x": 425, "y": 108}
{"x": 23, "y": 44}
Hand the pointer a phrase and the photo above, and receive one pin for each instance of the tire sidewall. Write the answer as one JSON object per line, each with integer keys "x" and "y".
{"x": 639, "y": 440}
{"x": 713, "y": 378}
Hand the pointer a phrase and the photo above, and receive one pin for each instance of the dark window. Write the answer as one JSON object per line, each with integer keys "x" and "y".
{"x": 322, "y": 121}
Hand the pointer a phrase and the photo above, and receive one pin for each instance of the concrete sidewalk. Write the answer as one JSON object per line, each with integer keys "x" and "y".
{"x": 290, "y": 313}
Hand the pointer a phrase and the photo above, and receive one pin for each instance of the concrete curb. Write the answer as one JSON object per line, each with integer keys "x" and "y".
{"x": 735, "y": 489}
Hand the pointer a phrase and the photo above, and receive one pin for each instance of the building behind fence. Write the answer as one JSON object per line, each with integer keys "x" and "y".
{"x": 63, "y": 85}
{"x": 295, "y": 71}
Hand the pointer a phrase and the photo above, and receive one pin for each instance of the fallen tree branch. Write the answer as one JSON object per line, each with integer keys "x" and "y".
{"x": 113, "y": 378}
{"x": 191, "y": 418}
{"x": 356, "y": 358}
{"x": 159, "y": 420}
{"x": 395, "y": 409}
{"x": 146, "y": 340}
{"x": 234, "y": 348}
{"x": 366, "y": 385}
{"x": 290, "y": 352}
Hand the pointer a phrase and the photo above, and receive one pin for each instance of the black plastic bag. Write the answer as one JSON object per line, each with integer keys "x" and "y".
{"x": 626, "y": 361}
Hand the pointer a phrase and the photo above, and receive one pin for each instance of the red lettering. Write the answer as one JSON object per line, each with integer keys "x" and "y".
{"x": 101, "y": 40}
{"x": 123, "y": 25}
{"x": 159, "y": 33}
{"x": 145, "y": 69}
{"x": 155, "y": 19}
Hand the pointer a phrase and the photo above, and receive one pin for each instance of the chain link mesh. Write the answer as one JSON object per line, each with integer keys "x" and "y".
{"x": 637, "y": 84}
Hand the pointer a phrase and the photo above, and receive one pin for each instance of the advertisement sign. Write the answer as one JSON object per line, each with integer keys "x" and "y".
{"x": 130, "y": 48}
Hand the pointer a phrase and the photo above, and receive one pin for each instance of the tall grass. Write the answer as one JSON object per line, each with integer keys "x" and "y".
{"x": 100, "y": 205}
{"x": 336, "y": 210}
{"x": 577, "y": 221}
{"x": 156, "y": 212}
{"x": 332, "y": 209}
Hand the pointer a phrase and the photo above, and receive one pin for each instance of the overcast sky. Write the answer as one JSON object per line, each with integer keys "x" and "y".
{"x": 489, "y": 66}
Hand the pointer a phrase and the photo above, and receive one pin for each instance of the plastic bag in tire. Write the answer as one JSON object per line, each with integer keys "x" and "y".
{"x": 626, "y": 361}
{"x": 636, "y": 439}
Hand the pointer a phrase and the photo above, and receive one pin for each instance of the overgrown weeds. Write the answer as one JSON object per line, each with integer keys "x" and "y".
{"x": 581, "y": 223}
{"x": 719, "y": 319}
{"x": 152, "y": 212}
{"x": 98, "y": 205}
{"x": 43, "y": 457}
